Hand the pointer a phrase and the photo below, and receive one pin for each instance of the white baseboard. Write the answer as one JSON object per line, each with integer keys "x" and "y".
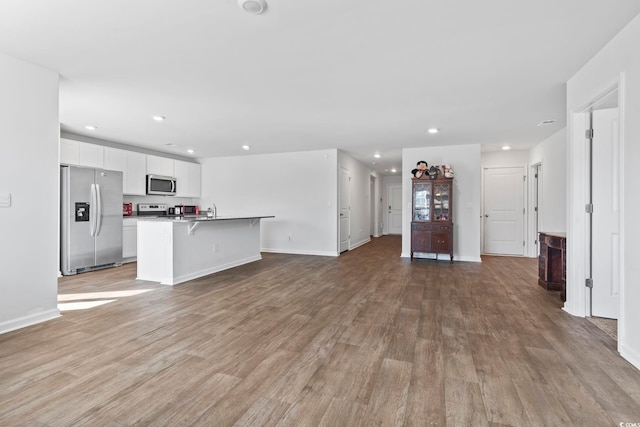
{"x": 205, "y": 272}
{"x": 631, "y": 355}
{"x": 298, "y": 252}
{"x": 23, "y": 322}
{"x": 357, "y": 245}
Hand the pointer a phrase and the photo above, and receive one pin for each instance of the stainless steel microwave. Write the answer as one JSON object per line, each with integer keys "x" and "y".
{"x": 161, "y": 185}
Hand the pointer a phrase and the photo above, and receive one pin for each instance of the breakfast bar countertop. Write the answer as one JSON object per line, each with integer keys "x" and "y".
{"x": 198, "y": 218}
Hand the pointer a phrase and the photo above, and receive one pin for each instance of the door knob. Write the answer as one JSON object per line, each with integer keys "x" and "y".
{"x": 486, "y": 216}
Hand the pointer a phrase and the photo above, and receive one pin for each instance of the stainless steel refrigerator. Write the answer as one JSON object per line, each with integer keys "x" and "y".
{"x": 91, "y": 219}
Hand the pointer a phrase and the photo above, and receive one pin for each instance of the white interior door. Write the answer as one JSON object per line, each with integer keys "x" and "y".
{"x": 345, "y": 219}
{"x": 504, "y": 211}
{"x": 394, "y": 211}
{"x": 606, "y": 214}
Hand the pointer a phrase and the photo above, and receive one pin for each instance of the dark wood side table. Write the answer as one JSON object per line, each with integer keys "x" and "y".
{"x": 552, "y": 262}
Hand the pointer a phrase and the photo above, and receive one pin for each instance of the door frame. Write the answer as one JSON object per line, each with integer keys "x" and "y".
{"x": 525, "y": 197}
{"x": 535, "y": 195}
{"x": 617, "y": 159}
{"x": 578, "y": 299}
{"x": 348, "y": 174}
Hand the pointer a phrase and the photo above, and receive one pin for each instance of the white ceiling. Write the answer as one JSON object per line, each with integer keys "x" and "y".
{"x": 363, "y": 76}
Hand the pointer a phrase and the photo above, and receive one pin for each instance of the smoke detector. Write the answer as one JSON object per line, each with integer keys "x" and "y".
{"x": 253, "y": 7}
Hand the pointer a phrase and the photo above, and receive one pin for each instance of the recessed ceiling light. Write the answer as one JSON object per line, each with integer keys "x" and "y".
{"x": 393, "y": 171}
{"x": 90, "y": 127}
{"x": 159, "y": 118}
{"x": 246, "y": 148}
{"x": 547, "y": 122}
{"x": 190, "y": 151}
{"x": 433, "y": 130}
{"x": 254, "y": 7}
{"x": 377, "y": 155}
{"x": 506, "y": 147}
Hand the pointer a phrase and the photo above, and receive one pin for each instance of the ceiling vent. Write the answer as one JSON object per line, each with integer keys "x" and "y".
{"x": 253, "y": 7}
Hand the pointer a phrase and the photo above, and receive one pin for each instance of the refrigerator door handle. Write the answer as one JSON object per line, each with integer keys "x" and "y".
{"x": 93, "y": 211}
{"x": 99, "y": 213}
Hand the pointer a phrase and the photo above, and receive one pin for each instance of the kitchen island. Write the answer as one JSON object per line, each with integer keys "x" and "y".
{"x": 175, "y": 250}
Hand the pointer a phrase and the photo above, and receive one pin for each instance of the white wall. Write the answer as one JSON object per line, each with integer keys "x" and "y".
{"x": 617, "y": 63}
{"x": 300, "y": 189}
{"x": 386, "y": 181}
{"x": 465, "y": 162}
{"x": 359, "y": 201}
{"x": 29, "y": 132}
{"x": 552, "y": 154}
{"x": 505, "y": 159}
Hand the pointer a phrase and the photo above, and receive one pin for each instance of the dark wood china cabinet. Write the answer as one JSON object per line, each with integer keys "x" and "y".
{"x": 431, "y": 221}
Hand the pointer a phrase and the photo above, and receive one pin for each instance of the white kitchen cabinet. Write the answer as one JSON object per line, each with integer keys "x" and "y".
{"x": 188, "y": 179}
{"x": 90, "y": 155}
{"x": 157, "y": 165}
{"x": 136, "y": 174}
{"x": 69, "y": 152}
{"x": 115, "y": 160}
{"x": 133, "y": 167}
{"x": 129, "y": 239}
{"x": 81, "y": 153}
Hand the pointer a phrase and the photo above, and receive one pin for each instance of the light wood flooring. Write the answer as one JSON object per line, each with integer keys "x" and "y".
{"x": 364, "y": 339}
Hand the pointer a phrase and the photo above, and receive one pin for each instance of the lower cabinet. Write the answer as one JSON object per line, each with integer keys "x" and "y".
{"x": 432, "y": 238}
{"x": 129, "y": 239}
{"x": 552, "y": 262}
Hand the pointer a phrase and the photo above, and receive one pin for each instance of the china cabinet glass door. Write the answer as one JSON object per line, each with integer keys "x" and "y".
{"x": 422, "y": 202}
{"x": 441, "y": 202}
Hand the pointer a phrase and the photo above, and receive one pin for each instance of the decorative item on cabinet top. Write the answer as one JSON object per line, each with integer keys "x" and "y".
{"x": 423, "y": 171}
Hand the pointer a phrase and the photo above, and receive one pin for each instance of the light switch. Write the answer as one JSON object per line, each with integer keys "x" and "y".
{"x": 5, "y": 200}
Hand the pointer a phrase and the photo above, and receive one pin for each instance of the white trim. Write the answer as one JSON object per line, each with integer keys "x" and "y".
{"x": 299, "y": 252}
{"x": 532, "y": 248}
{"x": 205, "y": 272}
{"x": 32, "y": 319}
{"x": 622, "y": 332}
{"x": 357, "y": 245}
{"x": 629, "y": 354}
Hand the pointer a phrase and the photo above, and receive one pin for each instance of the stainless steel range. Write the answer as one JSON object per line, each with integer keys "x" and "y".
{"x": 146, "y": 209}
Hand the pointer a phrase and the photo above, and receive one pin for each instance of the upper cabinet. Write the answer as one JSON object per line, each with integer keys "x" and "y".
{"x": 136, "y": 177}
{"x": 188, "y": 179}
{"x": 157, "y": 165}
{"x": 81, "y": 153}
{"x": 133, "y": 165}
{"x": 69, "y": 152}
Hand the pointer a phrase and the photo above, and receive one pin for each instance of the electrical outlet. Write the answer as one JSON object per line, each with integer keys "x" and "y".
{"x": 289, "y": 236}
{"x": 215, "y": 247}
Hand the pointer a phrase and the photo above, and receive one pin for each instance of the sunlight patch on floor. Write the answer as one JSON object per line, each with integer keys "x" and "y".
{"x": 87, "y": 300}
{"x": 101, "y": 295}
{"x": 83, "y": 305}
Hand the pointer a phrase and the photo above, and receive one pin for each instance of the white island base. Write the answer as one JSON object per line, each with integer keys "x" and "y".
{"x": 172, "y": 251}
